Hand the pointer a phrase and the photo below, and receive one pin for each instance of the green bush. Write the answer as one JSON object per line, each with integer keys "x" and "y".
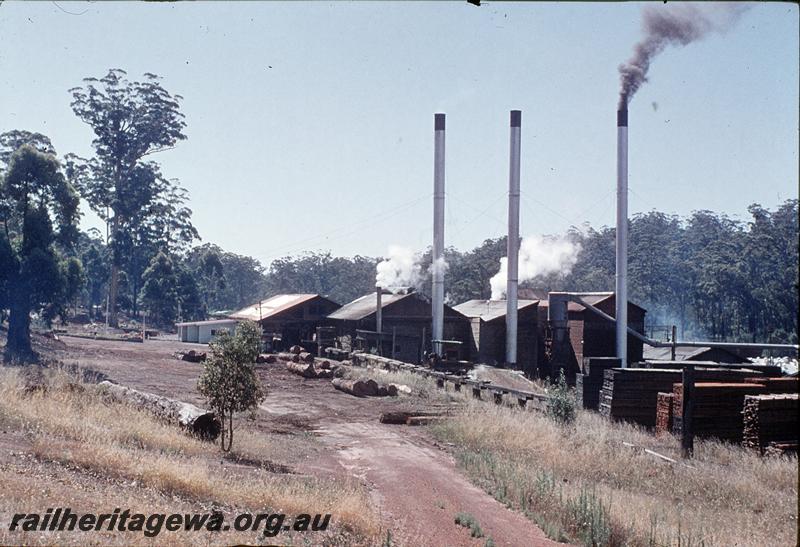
{"x": 468, "y": 521}
{"x": 561, "y": 406}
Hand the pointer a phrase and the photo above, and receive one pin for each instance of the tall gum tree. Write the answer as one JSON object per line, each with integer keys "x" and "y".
{"x": 130, "y": 120}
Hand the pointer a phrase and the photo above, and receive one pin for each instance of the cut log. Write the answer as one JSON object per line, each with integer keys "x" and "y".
{"x": 322, "y": 363}
{"x": 305, "y": 357}
{"x": 401, "y": 417}
{"x": 197, "y": 421}
{"x": 296, "y": 349}
{"x": 266, "y": 358}
{"x": 193, "y": 356}
{"x": 302, "y": 369}
{"x": 292, "y": 357}
{"x": 359, "y": 388}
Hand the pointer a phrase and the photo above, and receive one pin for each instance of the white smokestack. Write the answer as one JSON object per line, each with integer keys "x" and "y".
{"x": 538, "y": 255}
{"x": 437, "y": 290}
{"x": 622, "y": 233}
{"x": 513, "y": 238}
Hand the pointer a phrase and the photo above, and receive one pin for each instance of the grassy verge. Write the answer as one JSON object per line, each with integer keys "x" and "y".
{"x": 69, "y": 424}
{"x": 581, "y": 484}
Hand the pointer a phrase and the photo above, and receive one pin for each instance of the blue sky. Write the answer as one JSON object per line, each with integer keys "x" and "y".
{"x": 310, "y": 125}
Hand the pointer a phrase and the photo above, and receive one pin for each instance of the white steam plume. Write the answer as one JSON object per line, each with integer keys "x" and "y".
{"x": 538, "y": 255}
{"x": 399, "y": 269}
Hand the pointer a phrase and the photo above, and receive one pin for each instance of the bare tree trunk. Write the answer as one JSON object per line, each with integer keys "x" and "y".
{"x": 18, "y": 345}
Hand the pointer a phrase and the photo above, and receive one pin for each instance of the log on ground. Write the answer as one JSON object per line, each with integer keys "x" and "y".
{"x": 197, "y": 421}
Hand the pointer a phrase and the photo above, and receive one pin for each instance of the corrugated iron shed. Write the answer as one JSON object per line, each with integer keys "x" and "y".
{"x": 272, "y": 306}
{"x": 489, "y": 310}
{"x": 366, "y": 305}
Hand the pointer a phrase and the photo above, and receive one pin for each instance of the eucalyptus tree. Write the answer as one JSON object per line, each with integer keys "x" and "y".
{"x": 38, "y": 209}
{"x": 131, "y": 120}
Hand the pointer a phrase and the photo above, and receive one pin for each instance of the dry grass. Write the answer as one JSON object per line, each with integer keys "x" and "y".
{"x": 71, "y": 424}
{"x": 581, "y": 483}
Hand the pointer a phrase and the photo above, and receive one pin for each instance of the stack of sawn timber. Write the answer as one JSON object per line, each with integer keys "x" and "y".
{"x": 664, "y": 413}
{"x": 716, "y": 409}
{"x": 770, "y": 421}
{"x": 590, "y": 382}
{"x": 631, "y": 394}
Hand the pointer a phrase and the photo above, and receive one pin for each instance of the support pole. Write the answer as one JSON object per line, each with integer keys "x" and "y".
{"x": 513, "y": 239}
{"x": 687, "y": 431}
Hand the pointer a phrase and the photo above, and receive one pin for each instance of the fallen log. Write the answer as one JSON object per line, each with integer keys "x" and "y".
{"x": 296, "y": 349}
{"x": 322, "y": 363}
{"x": 191, "y": 356}
{"x": 387, "y": 390}
{"x": 292, "y": 357}
{"x": 302, "y": 369}
{"x": 266, "y": 358}
{"x": 197, "y": 421}
{"x": 401, "y": 417}
{"x": 402, "y": 388}
{"x": 358, "y": 388}
{"x": 305, "y": 357}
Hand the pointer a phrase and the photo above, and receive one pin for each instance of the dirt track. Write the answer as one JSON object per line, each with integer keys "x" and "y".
{"x": 415, "y": 484}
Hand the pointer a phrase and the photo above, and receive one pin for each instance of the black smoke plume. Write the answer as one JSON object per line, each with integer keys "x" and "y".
{"x": 672, "y": 24}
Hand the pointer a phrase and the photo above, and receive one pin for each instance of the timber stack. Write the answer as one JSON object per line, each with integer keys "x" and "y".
{"x": 589, "y": 383}
{"x": 631, "y": 394}
{"x": 770, "y": 421}
{"x": 717, "y": 409}
{"x": 664, "y": 415}
{"x": 777, "y": 385}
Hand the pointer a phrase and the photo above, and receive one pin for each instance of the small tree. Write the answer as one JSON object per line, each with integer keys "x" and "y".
{"x": 229, "y": 379}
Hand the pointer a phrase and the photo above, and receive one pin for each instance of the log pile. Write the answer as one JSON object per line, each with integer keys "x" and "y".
{"x": 197, "y": 421}
{"x": 631, "y": 394}
{"x": 358, "y": 388}
{"x": 717, "y": 409}
{"x": 365, "y": 387}
{"x": 770, "y": 420}
{"x": 299, "y": 357}
{"x": 309, "y": 370}
{"x": 664, "y": 402}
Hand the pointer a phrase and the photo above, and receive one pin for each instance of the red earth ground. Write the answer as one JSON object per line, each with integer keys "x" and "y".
{"x": 415, "y": 484}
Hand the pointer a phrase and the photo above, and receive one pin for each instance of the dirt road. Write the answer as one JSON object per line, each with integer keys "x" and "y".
{"x": 415, "y": 484}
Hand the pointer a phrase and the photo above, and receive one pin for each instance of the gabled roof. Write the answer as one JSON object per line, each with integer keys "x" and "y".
{"x": 682, "y": 353}
{"x": 593, "y": 299}
{"x": 366, "y": 305}
{"x": 489, "y": 310}
{"x": 273, "y": 306}
{"x": 209, "y": 323}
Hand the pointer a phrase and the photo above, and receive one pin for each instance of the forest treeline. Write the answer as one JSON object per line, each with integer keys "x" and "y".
{"x": 710, "y": 274}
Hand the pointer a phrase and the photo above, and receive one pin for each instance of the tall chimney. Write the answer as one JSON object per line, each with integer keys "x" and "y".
{"x": 513, "y": 239}
{"x": 437, "y": 291}
{"x": 622, "y": 233}
{"x": 378, "y": 311}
